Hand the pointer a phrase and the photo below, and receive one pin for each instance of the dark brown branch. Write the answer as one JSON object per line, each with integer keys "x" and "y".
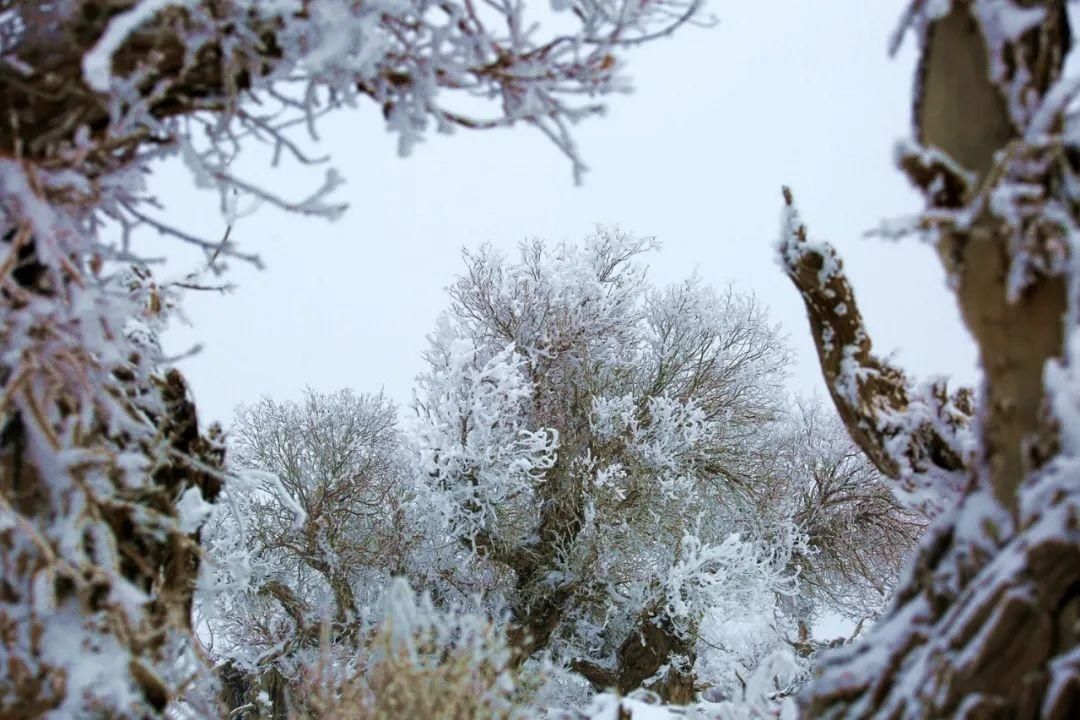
{"x": 291, "y": 604}
{"x": 874, "y": 399}
{"x": 650, "y": 645}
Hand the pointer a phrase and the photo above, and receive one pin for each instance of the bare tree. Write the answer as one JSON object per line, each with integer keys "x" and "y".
{"x": 858, "y": 534}
{"x": 335, "y": 540}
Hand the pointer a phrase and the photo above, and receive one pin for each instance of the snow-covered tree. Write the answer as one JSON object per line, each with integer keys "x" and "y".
{"x": 593, "y": 444}
{"x": 858, "y": 534}
{"x": 320, "y": 524}
{"x": 683, "y": 538}
{"x": 985, "y": 622}
{"x": 98, "y": 441}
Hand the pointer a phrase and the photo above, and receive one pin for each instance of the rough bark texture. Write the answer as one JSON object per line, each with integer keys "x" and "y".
{"x": 914, "y": 436}
{"x": 986, "y": 624}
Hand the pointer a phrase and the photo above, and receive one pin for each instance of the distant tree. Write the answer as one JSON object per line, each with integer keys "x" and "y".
{"x": 593, "y": 442}
{"x": 99, "y": 444}
{"x": 858, "y": 535}
{"x": 322, "y": 523}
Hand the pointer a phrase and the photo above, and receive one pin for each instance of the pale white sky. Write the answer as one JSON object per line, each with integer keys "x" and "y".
{"x": 780, "y": 92}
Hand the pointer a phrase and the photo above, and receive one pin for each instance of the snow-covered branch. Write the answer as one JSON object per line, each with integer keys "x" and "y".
{"x": 916, "y": 434}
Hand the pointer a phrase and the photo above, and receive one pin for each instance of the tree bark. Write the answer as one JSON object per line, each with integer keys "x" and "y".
{"x": 986, "y": 624}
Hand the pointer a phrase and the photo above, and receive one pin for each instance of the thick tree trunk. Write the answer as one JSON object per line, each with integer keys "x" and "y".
{"x": 986, "y": 624}
{"x": 254, "y": 697}
{"x": 539, "y": 608}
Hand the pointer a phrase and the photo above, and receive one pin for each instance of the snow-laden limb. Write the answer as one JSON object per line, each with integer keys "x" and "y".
{"x": 97, "y": 63}
{"x": 96, "y": 559}
{"x": 1013, "y": 154}
{"x": 104, "y": 78}
{"x": 96, "y": 449}
{"x": 916, "y": 434}
{"x": 475, "y": 449}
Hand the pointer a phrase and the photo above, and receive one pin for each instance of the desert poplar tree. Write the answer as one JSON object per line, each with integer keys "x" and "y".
{"x": 985, "y": 622}
{"x": 593, "y": 441}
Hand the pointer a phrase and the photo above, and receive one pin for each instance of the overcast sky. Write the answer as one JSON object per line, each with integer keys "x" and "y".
{"x": 780, "y": 92}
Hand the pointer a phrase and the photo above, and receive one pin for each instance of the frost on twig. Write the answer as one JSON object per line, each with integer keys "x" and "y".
{"x": 917, "y": 435}
{"x": 108, "y": 81}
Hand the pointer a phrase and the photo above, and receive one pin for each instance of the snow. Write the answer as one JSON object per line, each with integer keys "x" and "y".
{"x": 793, "y": 244}
{"x": 97, "y": 64}
{"x": 192, "y": 510}
{"x": 491, "y": 424}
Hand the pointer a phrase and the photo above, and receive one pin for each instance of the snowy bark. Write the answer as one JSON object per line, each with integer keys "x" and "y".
{"x": 650, "y": 647}
{"x": 986, "y": 623}
{"x": 915, "y": 435}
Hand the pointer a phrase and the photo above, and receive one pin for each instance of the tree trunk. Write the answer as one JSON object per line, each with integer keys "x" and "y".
{"x": 254, "y": 697}
{"x": 652, "y": 645}
{"x": 986, "y": 624}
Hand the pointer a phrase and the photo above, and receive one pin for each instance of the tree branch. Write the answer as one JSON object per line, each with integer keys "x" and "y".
{"x": 906, "y": 431}
{"x": 292, "y": 605}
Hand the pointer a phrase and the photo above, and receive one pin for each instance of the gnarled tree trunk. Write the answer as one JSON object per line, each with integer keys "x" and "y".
{"x": 986, "y": 623}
